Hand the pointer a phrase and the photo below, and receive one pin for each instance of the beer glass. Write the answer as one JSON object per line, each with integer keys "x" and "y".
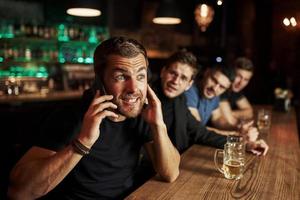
{"x": 233, "y": 159}
{"x": 263, "y": 120}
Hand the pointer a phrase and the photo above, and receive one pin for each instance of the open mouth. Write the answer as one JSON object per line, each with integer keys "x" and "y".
{"x": 237, "y": 87}
{"x": 171, "y": 88}
{"x": 209, "y": 91}
{"x": 131, "y": 101}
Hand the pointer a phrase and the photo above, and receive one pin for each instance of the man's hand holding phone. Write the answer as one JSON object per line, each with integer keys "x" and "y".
{"x": 99, "y": 109}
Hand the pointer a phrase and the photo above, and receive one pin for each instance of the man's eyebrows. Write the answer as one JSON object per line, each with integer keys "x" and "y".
{"x": 216, "y": 80}
{"x": 121, "y": 69}
{"x": 142, "y": 68}
{"x": 116, "y": 69}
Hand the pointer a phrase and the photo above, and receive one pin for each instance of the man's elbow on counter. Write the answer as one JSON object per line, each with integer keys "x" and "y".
{"x": 170, "y": 177}
{"x": 16, "y": 194}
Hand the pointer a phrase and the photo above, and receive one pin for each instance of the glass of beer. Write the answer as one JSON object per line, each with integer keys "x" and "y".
{"x": 233, "y": 160}
{"x": 263, "y": 120}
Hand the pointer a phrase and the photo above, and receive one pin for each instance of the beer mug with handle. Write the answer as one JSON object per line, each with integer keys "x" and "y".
{"x": 233, "y": 158}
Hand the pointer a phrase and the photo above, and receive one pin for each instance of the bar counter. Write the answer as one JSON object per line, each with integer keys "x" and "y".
{"x": 274, "y": 176}
{"x": 39, "y": 97}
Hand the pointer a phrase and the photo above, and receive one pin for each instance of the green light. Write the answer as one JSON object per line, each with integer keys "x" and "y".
{"x": 74, "y": 60}
{"x": 8, "y": 35}
{"x": 93, "y": 36}
{"x": 79, "y": 53}
{"x": 80, "y": 59}
{"x": 62, "y": 33}
{"x": 19, "y": 74}
{"x": 4, "y": 73}
{"x": 62, "y": 60}
{"x": 89, "y": 60}
{"x": 12, "y": 69}
{"x": 42, "y": 69}
{"x": 31, "y": 73}
{"x": 19, "y": 69}
{"x": 39, "y": 75}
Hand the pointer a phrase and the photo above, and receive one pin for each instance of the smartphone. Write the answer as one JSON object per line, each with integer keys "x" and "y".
{"x": 98, "y": 85}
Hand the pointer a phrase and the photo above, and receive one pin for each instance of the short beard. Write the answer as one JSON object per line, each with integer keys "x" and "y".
{"x": 129, "y": 114}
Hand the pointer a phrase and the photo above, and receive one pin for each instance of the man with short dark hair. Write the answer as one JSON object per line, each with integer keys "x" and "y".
{"x": 203, "y": 97}
{"x": 96, "y": 159}
{"x": 184, "y": 130}
{"x": 176, "y": 77}
{"x": 234, "y": 105}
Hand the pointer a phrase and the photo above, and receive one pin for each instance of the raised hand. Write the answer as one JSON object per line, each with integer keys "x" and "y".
{"x": 152, "y": 112}
{"x": 252, "y": 134}
{"x": 99, "y": 109}
{"x": 244, "y": 126}
{"x": 248, "y": 131}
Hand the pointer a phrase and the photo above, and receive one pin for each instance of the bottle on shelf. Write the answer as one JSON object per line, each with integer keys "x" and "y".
{"x": 62, "y": 33}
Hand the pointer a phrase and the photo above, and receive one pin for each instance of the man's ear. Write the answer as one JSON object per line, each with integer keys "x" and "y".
{"x": 189, "y": 85}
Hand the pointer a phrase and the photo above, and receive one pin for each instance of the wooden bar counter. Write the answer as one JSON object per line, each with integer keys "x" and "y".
{"x": 38, "y": 97}
{"x": 274, "y": 176}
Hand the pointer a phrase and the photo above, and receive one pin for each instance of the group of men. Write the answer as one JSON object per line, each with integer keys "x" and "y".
{"x": 96, "y": 156}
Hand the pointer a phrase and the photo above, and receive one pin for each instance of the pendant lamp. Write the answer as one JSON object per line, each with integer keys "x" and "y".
{"x": 84, "y": 8}
{"x": 167, "y": 13}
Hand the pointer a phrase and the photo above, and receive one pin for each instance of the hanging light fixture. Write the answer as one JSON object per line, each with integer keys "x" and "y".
{"x": 167, "y": 13}
{"x": 204, "y": 15}
{"x": 84, "y": 8}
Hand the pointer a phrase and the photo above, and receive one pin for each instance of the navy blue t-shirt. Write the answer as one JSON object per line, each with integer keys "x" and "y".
{"x": 204, "y": 106}
{"x": 107, "y": 171}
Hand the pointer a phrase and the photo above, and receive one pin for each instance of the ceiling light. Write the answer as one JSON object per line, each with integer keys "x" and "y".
{"x": 167, "y": 13}
{"x": 84, "y": 12}
{"x": 84, "y": 8}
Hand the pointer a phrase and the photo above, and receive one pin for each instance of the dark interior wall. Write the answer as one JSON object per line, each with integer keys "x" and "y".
{"x": 127, "y": 14}
{"x": 48, "y": 12}
{"x": 55, "y": 12}
{"x": 22, "y": 11}
{"x": 261, "y": 90}
{"x": 286, "y": 48}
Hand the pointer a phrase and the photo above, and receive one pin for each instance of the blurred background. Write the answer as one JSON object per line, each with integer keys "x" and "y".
{"x": 46, "y": 54}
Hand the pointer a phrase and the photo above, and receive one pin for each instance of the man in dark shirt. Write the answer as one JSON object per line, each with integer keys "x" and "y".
{"x": 234, "y": 105}
{"x": 184, "y": 130}
{"x": 94, "y": 156}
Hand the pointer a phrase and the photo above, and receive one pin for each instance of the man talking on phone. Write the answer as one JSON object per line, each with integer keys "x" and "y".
{"x": 97, "y": 158}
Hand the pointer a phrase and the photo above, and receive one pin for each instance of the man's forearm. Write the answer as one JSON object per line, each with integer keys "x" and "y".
{"x": 33, "y": 179}
{"x": 222, "y": 123}
{"x": 167, "y": 158}
{"x": 222, "y": 132}
{"x": 243, "y": 114}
